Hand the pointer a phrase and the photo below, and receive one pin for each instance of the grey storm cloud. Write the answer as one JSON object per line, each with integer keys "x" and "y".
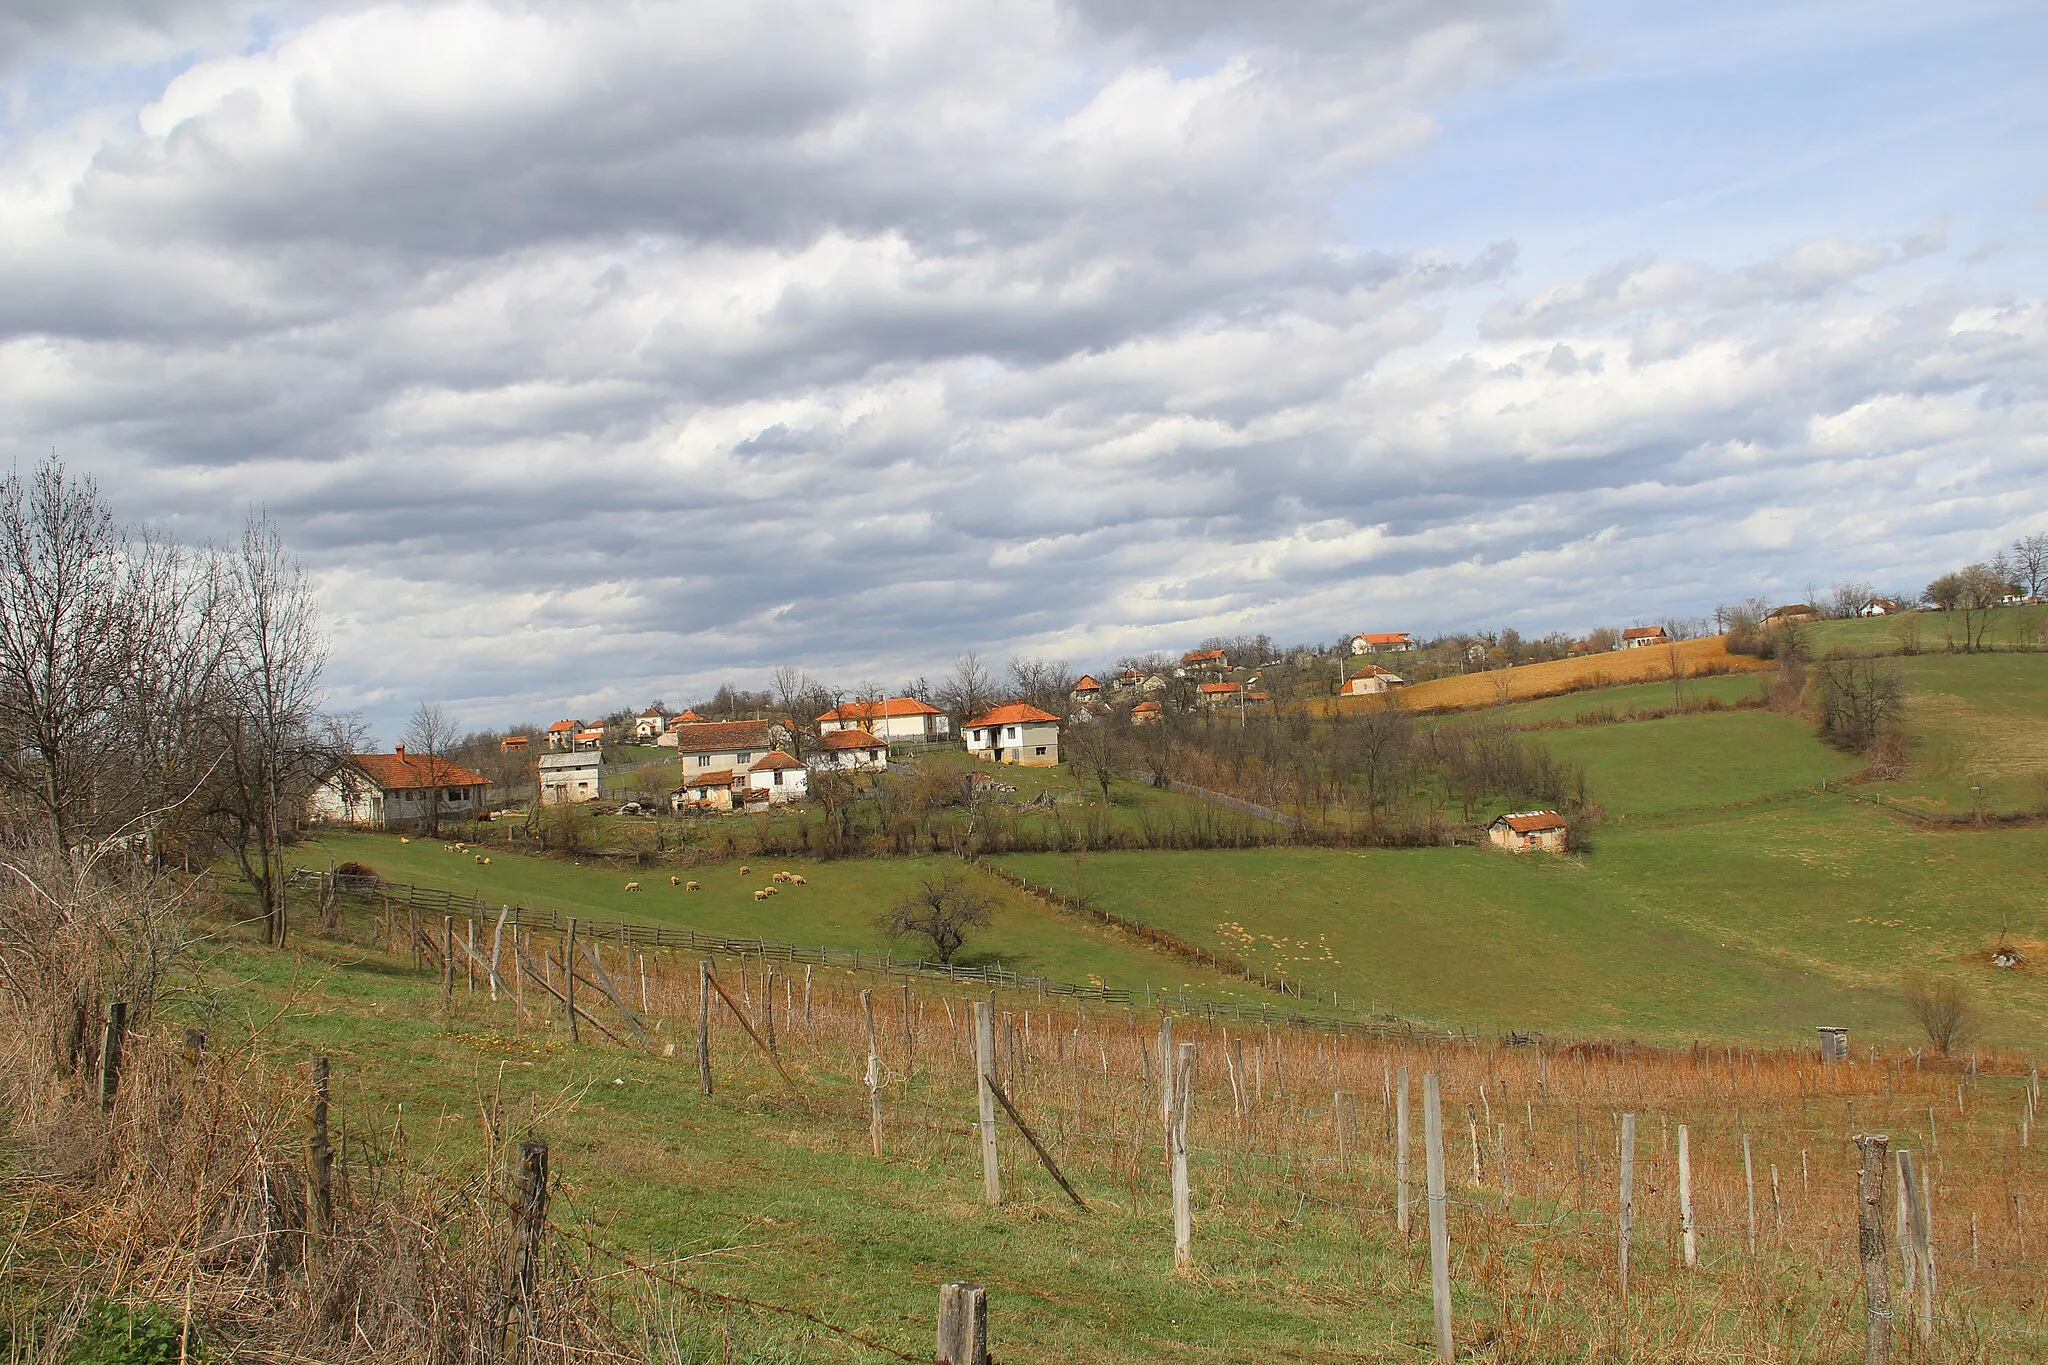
{"x": 594, "y": 353}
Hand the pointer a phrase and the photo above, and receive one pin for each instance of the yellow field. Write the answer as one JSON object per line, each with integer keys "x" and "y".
{"x": 1471, "y": 691}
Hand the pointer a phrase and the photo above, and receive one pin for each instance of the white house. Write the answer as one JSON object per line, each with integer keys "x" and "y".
{"x": 667, "y": 738}
{"x": 1391, "y": 642}
{"x": 1371, "y": 681}
{"x": 1642, "y": 637}
{"x": 568, "y": 778}
{"x": 851, "y": 750}
{"x": 386, "y": 790}
{"x": 898, "y": 718}
{"x": 649, "y": 724}
{"x": 1016, "y": 733}
{"x": 589, "y": 741}
{"x": 1881, "y": 606}
{"x": 731, "y": 744}
{"x": 562, "y": 734}
{"x": 780, "y": 776}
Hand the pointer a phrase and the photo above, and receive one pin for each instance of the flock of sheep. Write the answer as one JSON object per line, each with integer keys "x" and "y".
{"x": 787, "y": 878}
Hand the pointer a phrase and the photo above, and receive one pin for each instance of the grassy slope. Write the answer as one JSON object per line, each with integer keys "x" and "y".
{"x": 1709, "y": 759}
{"x": 838, "y": 907}
{"x": 786, "y": 1208}
{"x": 1975, "y": 719}
{"x": 1655, "y": 696}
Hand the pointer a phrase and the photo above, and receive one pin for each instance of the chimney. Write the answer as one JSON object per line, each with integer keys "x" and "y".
{"x": 401, "y": 753}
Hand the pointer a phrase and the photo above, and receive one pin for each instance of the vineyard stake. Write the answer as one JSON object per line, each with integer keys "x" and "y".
{"x": 1626, "y": 1221}
{"x": 984, "y": 1065}
{"x": 1877, "y": 1338}
{"x": 1401, "y": 1199}
{"x": 1439, "y": 1230}
{"x": 1177, "y": 1141}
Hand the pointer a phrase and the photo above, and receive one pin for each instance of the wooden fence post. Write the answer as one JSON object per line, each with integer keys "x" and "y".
{"x": 320, "y": 1158}
{"x": 984, "y": 1063}
{"x": 1626, "y": 1219}
{"x": 1439, "y": 1229}
{"x": 1183, "y": 1196}
{"x": 111, "y": 1039}
{"x": 909, "y": 1040}
{"x": 1877, "y": 1294}
{"x": 569, "y": 977}
{"x": 1749, "y": 1189}
{"x": 1401, "y": 1196}
{"x": 874, "y": 1076}
{"x": 704, "y": 1025}
{"x": 1685, "y": 1220}
{"x": 529, "y": 1225}
{"x": 963, "y": 1325}
{"x": 1913, "y": 1228}
{"x": 1166, "y": 1063}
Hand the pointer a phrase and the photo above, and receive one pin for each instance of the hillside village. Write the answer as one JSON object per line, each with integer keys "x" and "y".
{"x": 741, "y": 751}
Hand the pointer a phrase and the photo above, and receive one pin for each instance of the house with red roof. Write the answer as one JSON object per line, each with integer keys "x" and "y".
{"x": 562, "y": 734}
{"x": 1218, "y": 693}
{"x": 852, "y": 751}
{"x": 1204, "y": 662}
{"x": 731, "y": 744}
{"x": 1388, "y": 642}
{"x": 1642, "y": 637}
{"x": 1528, "y": 831}
{"x": 649, "y": 723}
{"x": 1086, "y": 691}
{"x": 780, "y": 779}
{"x": 709, "y": 790}
{"x": 1016, "y": 733}
{"x": 897, "y": 718}
{"x": 387, "y": 791}
{"x": 1147, "y": 713}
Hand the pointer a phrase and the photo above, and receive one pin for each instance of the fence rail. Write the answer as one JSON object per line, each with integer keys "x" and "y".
{"x": 438, "y": 901}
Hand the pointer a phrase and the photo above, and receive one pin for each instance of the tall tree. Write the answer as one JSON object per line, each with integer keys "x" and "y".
{"x": 969, "y": 690}
{"x": 276, "y": 746}
{"x": 428, "y": 736}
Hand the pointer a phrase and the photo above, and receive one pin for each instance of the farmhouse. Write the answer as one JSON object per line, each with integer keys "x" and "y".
{"x": 730, "y": 744}
{"x": 1147, "y": 713}
{"x": 649, "y": 723}
{"x": 1796, "y": 613}
{"x": 1541, "y": 830}
{"x": 512, "y": 744}
{"x": 1642, "y": 637}
{"x": 1219, "y": 693}
{"x": 388, "y": 790}
{"x": 1392, "y": 642}
{"x": 562, "y": 734}
{"x": 589, "y": 741}
{"x": 667, "y": 738}
{"x": 779, "y": 776}
{"x": 1372, "y": 680}
{"x": 898, "y": 718}
{"x": 704, "y": 791}
{"x": 570, "y": 777}
{"x": 851, "y": 750}
{"x": 1085, "y": 691}
{"x": 1881, "y": 606}
{"x": 1204, "y": 661}
{"x": 1016, "y": 733}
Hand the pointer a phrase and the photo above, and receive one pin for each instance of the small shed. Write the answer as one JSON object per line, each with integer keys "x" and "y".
{"x": 1834, "y": 1044}
{"x": 1523, "y": 831}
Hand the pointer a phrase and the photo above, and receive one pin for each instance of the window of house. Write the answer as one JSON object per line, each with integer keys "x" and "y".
{"x": 743, "y": 758}
{"x": 778, "y": 777}
{"x": 1009, "y": 732}
{"x": 703, "y": 760}
{"x": 1041, "y": 751}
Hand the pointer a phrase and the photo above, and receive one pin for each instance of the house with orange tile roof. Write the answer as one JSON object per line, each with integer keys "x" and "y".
{"x": 1642, "y": 637}
{"x": 1218, "y": 693}
{"x": 667, "y": 738}
{"x": 1389, "y": 642}
{"x": 394, "y": 790}
{"x": 896, "y": 718}
{"x": 1528, "y": 831}
{"x": 708, "y": 790}
{"x": 1147, "y": 713}
{"x": 735, "y": 744}
{"x": 851, "y": 751}
{"x": 1016, "y": 733}
{"x": 562, "y": 734}
{"x": 781, "y": 777}
{"x": 1203, "y": 662}
{"x": 1086, "y": 691}
{"x": 1371, "y": 681}
{"x": 649, "y": 723}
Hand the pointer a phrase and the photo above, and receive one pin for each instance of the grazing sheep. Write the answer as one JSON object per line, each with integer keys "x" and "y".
{"x": 689, "y": 886}
{"x": 770, "y": 890}
{"x": 487, "y": 862}
{"x": 795, "y": 880}
{"x": 675, "y": 881}
{"x": 632, "y": 886}
{"x": 403, "y": 840}
{"x": 760, "y": 895}
{"x": 476, "y": 857}
{"x": 744, "y": 869}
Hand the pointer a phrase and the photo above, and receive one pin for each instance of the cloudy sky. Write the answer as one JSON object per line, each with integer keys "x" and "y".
{"x": 593, "y": 353}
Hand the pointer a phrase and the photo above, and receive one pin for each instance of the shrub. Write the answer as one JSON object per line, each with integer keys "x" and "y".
{"x": 1943, "y": 1010}
{"x": 124, "y": 1334}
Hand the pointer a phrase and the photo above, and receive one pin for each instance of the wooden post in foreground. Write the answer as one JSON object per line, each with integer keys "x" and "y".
{"x": 1439, "y": 1229}
{"x": 1749, "y": 1188}
{"x": 110, "y": 1051}
{"x": 963, "y": 1325}
{"x": 1877, "y": 1294}
{"x": 569, "y": 977}
{"x": 1166, "y": 1056}
{"x": 1401, "y": 1196}
{"x": 1183, "y": 1196}
{"x": 984, "y": 1064}
{"x": 530, "y": 1223}
{"x": 320, "y": 1157}
{"x": 1686, "y": 1226}
{"x": 1626, "y": 1221}
{"x": 874, "y": 1076}
{"x": 704, "y": 1026}
{"x": 1913, "y": 1229}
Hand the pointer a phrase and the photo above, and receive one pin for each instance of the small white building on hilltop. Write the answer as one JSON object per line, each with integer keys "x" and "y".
{"x": 851, "y": 751}
{"x": 1016, "y": 733}
{"x": 1643, "y": 637}
{"x": 1371, "y": 681}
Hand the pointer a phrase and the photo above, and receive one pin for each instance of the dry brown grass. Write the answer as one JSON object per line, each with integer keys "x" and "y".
{"x": 1528, "y": 682}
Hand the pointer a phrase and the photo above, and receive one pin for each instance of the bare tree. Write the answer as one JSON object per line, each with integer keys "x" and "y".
{"x": 1043, "y": 683}
{"x": 276, "y": 746}
{"x": 1969, "y": 596}
{"x": 1857, "y": 699}
{"x": 1943, "y": 1010}
{"x": 941, "y": 910}
{"x": 66, "y": 645}
{"x": 2029, "y": 560}
{"x": 802, "y": 699}
{"x": 1095, "y": 749}
{"x": 428, "y": 736}
{"x": 969, "y": 690}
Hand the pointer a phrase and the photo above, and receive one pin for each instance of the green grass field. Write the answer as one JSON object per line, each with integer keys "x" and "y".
{"x": 1658, "y": 696}
{"x": 1696, "y": 761}
{"x": 1928, "y": 630}
{"x": 837, "y": 908}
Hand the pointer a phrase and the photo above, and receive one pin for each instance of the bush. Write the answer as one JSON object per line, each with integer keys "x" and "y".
{"x": 124, "y": 1334}
{"x": 1943, "y": 1010}
{"x": 355, "y": 869}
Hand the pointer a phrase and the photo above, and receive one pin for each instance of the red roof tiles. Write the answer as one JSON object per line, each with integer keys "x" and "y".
{"x": 1016, "y": 713}
{"x": 410, "y": 772}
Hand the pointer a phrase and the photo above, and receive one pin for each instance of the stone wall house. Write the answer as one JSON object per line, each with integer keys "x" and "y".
{"x": 1528, "y": 831}
{"x": 1016, "y": 733}
{"x": 568, "y": 778}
